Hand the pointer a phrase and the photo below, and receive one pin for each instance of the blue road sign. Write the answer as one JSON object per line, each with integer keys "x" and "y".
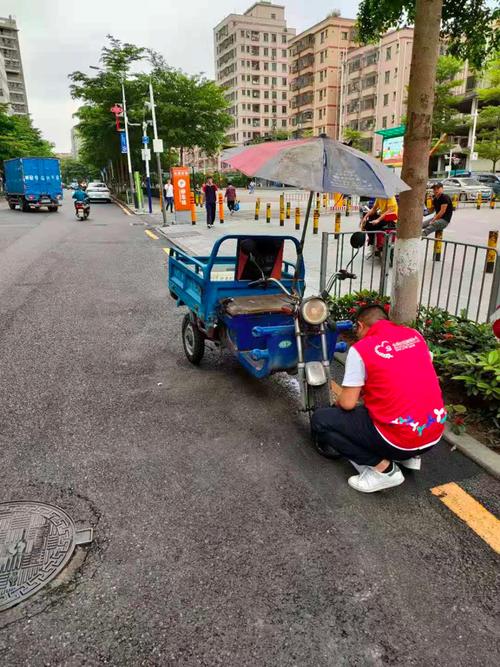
{"x": 123, "y": 142}
{"x": 145, "y": 140}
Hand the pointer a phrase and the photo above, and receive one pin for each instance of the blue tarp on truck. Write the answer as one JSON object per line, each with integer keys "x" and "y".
{"x": 32, "y": 182}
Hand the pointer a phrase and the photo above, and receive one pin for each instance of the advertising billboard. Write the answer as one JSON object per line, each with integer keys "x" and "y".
{"x": 182, "y": 190}
{"x": 392, "y": 151}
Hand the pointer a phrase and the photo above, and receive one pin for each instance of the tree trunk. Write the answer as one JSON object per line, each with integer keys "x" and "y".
{"x": 405, "y": 285}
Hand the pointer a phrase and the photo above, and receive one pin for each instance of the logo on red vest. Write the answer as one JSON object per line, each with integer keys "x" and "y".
{"x": 384, "y": 350}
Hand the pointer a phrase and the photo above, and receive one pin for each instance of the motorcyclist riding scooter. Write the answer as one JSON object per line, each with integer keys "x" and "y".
{"x": 82, "y": 205}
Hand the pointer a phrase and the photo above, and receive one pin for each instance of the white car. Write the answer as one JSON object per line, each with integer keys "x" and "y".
{"x": 466, "y": 188}
{"x": 97, "y": 191}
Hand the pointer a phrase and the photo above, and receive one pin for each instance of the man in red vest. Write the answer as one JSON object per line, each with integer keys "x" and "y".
{"x": 403, "y": 414}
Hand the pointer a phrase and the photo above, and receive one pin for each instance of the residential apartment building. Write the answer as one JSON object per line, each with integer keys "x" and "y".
{"x": 4, "y": 86}
{"x": 9, "y": 47}
{"x": 316, "y": 57}
{"x": 251, "y": 63}
{"x": 374, "y": 84}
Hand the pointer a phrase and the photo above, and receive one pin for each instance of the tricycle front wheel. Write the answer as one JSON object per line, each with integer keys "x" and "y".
{"x": 192, "y": 340}
{"x": 318, "y": 397}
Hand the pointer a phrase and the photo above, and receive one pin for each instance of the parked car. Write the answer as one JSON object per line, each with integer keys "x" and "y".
{"x": 97, "y": 191}
{"x": 489, "y": 179}
{"x": 466, "y": 188}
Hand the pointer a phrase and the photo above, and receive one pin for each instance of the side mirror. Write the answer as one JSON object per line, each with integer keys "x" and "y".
{"x": 358, "y": 239}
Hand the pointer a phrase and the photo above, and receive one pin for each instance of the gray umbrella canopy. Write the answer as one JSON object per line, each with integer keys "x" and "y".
{"x": 317, "y": 164}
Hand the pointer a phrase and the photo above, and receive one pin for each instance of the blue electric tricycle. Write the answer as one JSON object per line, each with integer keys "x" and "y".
{"x": 252, "y": 302}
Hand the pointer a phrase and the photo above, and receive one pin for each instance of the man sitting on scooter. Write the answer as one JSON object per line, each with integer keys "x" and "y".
{"x": 403, "y": 413}
{"x": 382, "y": 215}
{"x": 79, "y": 195}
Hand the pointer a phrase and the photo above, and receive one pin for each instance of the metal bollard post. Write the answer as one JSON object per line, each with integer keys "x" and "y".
{"x": 257, "y": 208}
{"x": 454, "y": 202}
{"x": 491, "y": 255}
{"x": 325, "y": 200}
{"x": 193, "y": 210}
{"x": 221, "y": 208}
{"x": 282, "y": 210}
{"x": 297, "y": 217}
{"x": 318, "y": 201}
{"x": 493, "y": 200}
{"x": 347, "y": 206}
{"x": 438, "y": 246}
{"x": 268, "y": 212}
{"x": 479, "y": 200}
{"x": 315, "y": 221}
{"x": 337, "y": 225}
{"x": 288, "y": 210}
{"x": 428, "y": 202}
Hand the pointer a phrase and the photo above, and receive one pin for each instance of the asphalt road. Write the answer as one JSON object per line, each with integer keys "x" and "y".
{"x": 221, "y": 537}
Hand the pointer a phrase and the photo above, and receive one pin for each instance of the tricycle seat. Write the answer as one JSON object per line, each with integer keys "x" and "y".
{"x": 260, "y": 303}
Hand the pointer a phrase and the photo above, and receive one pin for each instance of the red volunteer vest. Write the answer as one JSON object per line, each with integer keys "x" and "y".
{"x": 401, "y": 393}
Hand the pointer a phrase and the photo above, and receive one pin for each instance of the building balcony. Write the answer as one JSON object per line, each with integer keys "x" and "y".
{"x": 302, "y": 82}
{"x": 302, "y": 100}
{"x": 302, "y": 63}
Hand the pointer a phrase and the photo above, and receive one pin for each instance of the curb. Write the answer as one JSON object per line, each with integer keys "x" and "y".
{"x": 172, "y": 242}
{"x": 475, "y": 450}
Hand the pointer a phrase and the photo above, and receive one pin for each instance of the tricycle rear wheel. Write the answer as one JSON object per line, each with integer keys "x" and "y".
{"x": 192, "y": 340}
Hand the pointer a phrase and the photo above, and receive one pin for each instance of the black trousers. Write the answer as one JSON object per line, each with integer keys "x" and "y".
{"x": 231, "y": 203}
{"x": 210, "y": 206}
{"x": 169, "y": 204}
{"x": 352, "y": 434}
{"x": 381, "y": 227}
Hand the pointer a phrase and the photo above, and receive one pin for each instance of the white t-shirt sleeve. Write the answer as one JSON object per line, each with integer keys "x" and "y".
{"x": 355, "y": 371}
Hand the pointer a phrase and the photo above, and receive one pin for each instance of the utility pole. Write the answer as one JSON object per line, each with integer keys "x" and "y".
{"x": 129, "y": 159}
{"x": 146, "y": 155}
{"x": 156, "y": 145}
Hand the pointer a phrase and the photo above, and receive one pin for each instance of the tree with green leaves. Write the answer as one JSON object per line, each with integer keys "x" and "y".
{"x": 75, "y": 170}
{"x": 445, "y": 118}
{"x": 354, "y": 138}
{"x": 470, "y": 30}
{"x": 190, "y": 110}
{"x": 18, "y": 138}
{"x": 488, "y": 135}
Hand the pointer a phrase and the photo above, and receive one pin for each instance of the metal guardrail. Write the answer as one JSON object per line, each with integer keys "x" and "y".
{"x": 462, "y": 278}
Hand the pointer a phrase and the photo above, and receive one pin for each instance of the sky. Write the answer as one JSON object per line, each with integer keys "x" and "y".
{"x": 60, "y": 36}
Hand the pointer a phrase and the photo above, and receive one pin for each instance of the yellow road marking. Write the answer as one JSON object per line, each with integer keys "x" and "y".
{"x": 151, "y": 235}
{"x": 125, "y": 210}
{"x": 477, "y": 517}
{"x": 167, "y": 250}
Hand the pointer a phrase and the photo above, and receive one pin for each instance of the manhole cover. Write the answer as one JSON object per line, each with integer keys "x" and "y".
{"x": 36, "y": 542}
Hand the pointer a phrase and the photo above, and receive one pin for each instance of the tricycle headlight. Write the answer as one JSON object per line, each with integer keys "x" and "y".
{"x": 314, "y": 310}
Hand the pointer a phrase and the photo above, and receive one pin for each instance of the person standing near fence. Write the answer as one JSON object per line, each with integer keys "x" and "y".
{"x": 210, "y": 194}
{"x": 443, "y": 211}
{"x": 169, "y": 195}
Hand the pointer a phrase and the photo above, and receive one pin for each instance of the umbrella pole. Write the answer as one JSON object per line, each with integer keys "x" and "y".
{"x": 300, "y": 256}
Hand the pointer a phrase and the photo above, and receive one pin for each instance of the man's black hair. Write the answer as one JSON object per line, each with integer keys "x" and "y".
{"x": 371, "y": 313}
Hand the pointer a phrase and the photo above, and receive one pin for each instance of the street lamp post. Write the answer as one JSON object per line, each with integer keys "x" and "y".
{"x": 158, "y": 154}
{"x": 146, "y": 156}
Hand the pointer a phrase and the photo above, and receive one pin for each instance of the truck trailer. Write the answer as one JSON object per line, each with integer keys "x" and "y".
{"x": 33, "y": 182}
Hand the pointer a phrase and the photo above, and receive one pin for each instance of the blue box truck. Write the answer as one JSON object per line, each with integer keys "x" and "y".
{"x": 33, "y": 182}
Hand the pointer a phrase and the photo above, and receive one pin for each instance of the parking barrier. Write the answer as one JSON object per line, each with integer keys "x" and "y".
{"x": 438, "y": 245}
{"x": 221, "y": 208}
{"x": 297, "y": 217}
{"x": 454, "y": 201}
{"x": 268, "y": 212}
{"x": 282, "y": 210}
{"x": 492, "y": 254}
{"x": 493, "y": 201}
{"x": 288, "y": 207}
{"x": 257, "y": 208}
{"x": 315, "y": 221}
{"x": 193, "y": 209}
{"x": 347, "y": 207}
{"x": 337, "y": 225}
{"x": 479, "y": 200}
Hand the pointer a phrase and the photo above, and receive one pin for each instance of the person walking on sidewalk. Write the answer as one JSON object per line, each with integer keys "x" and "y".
{"x": 169, "y": 195}
{"x": 230, "y": 196}
{"x": 403, "y": 414}
{"x": 443, "y": 211}
{"x": 210, "y": 194}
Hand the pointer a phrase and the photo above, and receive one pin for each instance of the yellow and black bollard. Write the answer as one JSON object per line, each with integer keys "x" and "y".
{"x": 491, "y": 255}
{"x": 221, "y": 208}
{"x": 288, "y": 210}
{"x": 479, "y": 200}
{"x": 438, "y": 245}
{"x": 325, "y": 200}
{"x": 454, "y": 201}
{"x": 297, "y": 217}
{"x": 282, "y": 210}
{"x": 315, "y": 221}
{"x": 428, "y": 202}
{"x": 493, "y": 199}
{"x": 318, "y": 201}
{"x": 347, "y": 206}
{"x": 193, "y": 210}
{"x": 337, "y": 225}
{"x": 268, "y": 212}
{"x": 257, "y": 208}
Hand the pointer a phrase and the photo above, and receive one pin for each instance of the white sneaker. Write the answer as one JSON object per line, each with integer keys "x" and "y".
{"x": 371, "y": 480}
{"x": 415, "y": 463}
{"x": 370, "y": 254}
{"x": 358, "y": 467}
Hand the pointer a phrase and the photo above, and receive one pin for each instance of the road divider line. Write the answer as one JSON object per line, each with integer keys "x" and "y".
{"x": 166, "y": 250}
{"x": 125, "y": 210}
{"x": 471, "y": 512}
{"x": 151, "y": 235}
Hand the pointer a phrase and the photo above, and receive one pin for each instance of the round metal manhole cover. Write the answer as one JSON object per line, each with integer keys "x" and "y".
{"x": 36, "y": 542}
